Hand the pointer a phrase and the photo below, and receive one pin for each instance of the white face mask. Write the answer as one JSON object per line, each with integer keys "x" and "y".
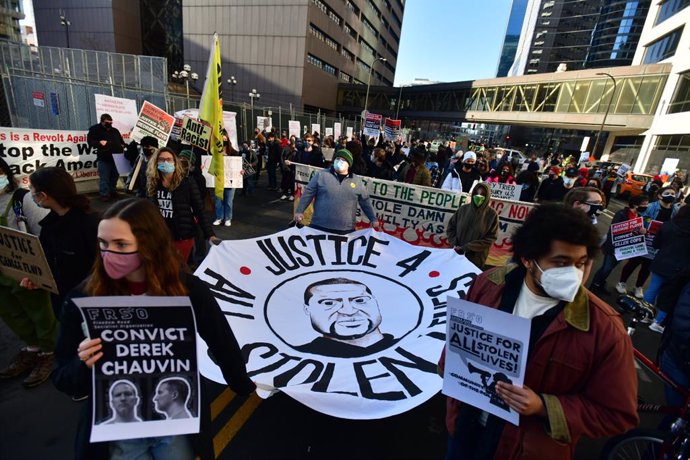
{"x": 4, "y": 182}
{"x": 568, "y": 181}
{"x": 340, "y": 166}
{"x": 561, "y": 283}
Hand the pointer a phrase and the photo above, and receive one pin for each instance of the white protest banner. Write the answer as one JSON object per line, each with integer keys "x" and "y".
{"x": 372, "y": 124}
{"x": 669, "y": 166}
{"x": 501, "y": 191}
{"x": 153, "y": 121}
{"x": 149, "y": 349}
{"x": 22, "y": 256}
{"x": 349, "y": 131}
{"x": 232, "y": 171}
{"x": 584, "y": 157}
{"x": 329, "y": 132}
{"x": 627, "y": 240}
{"x": 652, "y": 231}
{"x": 623, "y": 170}
{"x": 229, "y": 123}
{"x": 315, "y": 128}
{"x": 484, "y": 346}
{"x": 122, "y": 164}
{"x": 294, "y": 128}
{"x": 391, "y": 130}
{"x": 337, "y": 130}
{"x": 123, "y": 111}
{"x": 196, "y": 133}
{"x": 280, "y": 294}
{"x": 264, "y": 123}
{"x": 26, "y": 150}
{"x": 585, "y": 143}
{"x": 419, "y": 215}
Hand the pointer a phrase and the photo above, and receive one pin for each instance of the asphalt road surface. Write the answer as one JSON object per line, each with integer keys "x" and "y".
{"x": 40, "y": 423}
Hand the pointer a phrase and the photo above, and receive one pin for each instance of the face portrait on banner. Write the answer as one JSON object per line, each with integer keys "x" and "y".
{"x": 349, "y": 325}
{"x": 171, "y": 398}
{"x": 124, "y": 402}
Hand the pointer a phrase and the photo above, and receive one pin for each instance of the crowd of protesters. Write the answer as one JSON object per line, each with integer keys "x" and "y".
{"x": 145, "y": 245}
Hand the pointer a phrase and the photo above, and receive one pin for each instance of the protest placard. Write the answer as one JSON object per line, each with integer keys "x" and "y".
{"x": 229, "y": 123}
{"x": 349, "y": 131}
{"x": 652, "y": 231}
{"x": 196, "y": 133}
{"x": 147, "y": 381}
{"x": 391, "y": 130}
{"x": 501, "y": 191}
{"x": 282, "y": 294}
{"x": 484, "y": 346}
{"x": 123, "y": 111}
{"x": 316, "y": 128}
{"x": 329, "y": 132}
{"x": 294, "y": 128}
{"x": 669, "y": 166}
{"x": 627, "y": 240}
{"x": 232, "y": 171}
{"x": 328, "y": 153}
{"x": 623, "y": 170}
{"x": 122, "y": 164}
{"x": 153, "y": 121}
{"x": 22, "y": 256}
{"x": 372, "y": 124}
{"x": 264, "y": 123}
{"x": 27, "y": 150}
{"x": 337, "y": 130}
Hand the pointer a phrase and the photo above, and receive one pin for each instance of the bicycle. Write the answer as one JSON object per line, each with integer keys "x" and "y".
{"x": 650, "y": 444}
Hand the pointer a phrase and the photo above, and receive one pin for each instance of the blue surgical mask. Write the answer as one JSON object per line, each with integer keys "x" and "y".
{"x": 340, "y": 165}
{"x": 166, "y": 168}
{"x": 4, "y": 182}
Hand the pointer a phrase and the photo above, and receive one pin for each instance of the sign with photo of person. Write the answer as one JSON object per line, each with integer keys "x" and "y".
{"x": 349, "y": 325}
{"x": 627, "y": 240}
{"x": 153, "y": 121}
{"x": 147, "y": 382}
{"x": 484, "y": 346}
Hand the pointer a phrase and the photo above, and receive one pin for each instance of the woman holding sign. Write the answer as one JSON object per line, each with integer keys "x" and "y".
{"x": 178, "y": 199}
{"x": 28, "y": 313}
{"x": 137, "y": 257}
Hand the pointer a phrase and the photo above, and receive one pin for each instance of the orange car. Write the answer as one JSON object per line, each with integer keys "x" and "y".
{"x": 633, "y": 185}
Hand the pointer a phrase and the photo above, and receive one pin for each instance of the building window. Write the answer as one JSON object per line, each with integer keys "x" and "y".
{"x": 323, "y": 37}
{"x": 369, "y": 26}
{"x": 316, "y": 62}
{"x": 350, "y": 31}
{"x": 345, "y": 77}
{"x": 329, "y": 69}
{"x": 662, "y": 48}
{"x": 363, "y": 65}
{"x": 366, "y": 47}
{"x": 352, "y": 7}
{"x": 681, "y": 97}
{"x": 347, "y": 54}
{"x": 323, "y": 7}
{"x": 677, "y": 146}
{"x": 668, "y": 8}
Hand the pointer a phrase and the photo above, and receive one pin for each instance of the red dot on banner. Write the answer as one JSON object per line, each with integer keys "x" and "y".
{"x": 245, "y": 270}
{"x": 434, "y": 274}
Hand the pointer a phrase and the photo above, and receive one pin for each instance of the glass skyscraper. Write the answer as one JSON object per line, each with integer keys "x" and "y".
{"x": 510, "y": 42}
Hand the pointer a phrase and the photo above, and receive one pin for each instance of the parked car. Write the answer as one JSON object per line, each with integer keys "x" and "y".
{"x": 633, "y": 184}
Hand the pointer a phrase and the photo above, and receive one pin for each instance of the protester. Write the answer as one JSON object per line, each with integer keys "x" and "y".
{"x": 580, "y": 378}
{"x": 632, "y": 211}
{"x": 136, "y": 258}
{"x": 223, "y": 207}
{"x": 250, "y": 162}
{"x": 673, "y": 244}
{"x": 553, "y": 179}
{"x": 311, "y": 155}
{"x": 178, "y": 201}
{"x": 583, "y": 177}
{"x": 416, "y": 172}
{"x": 529, "y": 181}
{"x": 139, "y": 156}
{"x": 287, "y": 169}
{"x": 462, "y": 175}
{"x": 335, "y": 193}
{"x": 28, "y": 313}
{"x": 107, "y": 141}
{"x": 558, "y": 188}
{"x": 589, "y": 200}
{"x": 379, "y": 166}
{"x": 260, "y": 143}
{"x": 503, "y": 174}
{"x": 473, "y": 229}
{"x": 609, "y": 183}
{"x": 68, "y": 232}
{"x": 273, "y": 148}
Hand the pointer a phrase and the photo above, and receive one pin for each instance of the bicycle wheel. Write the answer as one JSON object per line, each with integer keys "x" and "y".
{"x": 634, "y": 445}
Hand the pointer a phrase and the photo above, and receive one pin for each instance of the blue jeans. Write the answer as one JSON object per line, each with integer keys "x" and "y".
{"x": 674, "y": 369}
{"x": 651, "y": 293}
{"x": 604, "y": 271}
{"x": 224, "y": 207}
{"x": 107, "y": 178}
{"x": 249, "y": 184}
{"x": 161, "y": 448}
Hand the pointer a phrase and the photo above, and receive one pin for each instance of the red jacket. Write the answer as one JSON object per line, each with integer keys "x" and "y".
{"x": 582, "y": 366}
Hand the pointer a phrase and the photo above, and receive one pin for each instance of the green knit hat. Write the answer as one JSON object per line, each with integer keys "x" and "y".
{"x": 345, "y": 155}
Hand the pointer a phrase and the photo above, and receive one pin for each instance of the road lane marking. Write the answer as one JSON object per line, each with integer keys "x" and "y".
{"x": 236, "y": 422}
{"x": 221, "y": 402}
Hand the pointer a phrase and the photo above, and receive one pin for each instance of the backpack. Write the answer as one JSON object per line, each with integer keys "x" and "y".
{"x": 16, "y": 204}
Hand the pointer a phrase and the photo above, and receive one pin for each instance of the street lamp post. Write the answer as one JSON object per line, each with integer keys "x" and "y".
{"x": 397, "y": 110}
{"x": 606, "y": 114}
{"x": 185, "y": 74}
{"x": 366, "y": 99}
{"x": 253, "y": 95}
{"x": 65, "y": 22}
{"x": 232, "y": 82}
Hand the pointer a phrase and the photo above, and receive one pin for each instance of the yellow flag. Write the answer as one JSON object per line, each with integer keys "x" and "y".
{"x": 211, "y": 111}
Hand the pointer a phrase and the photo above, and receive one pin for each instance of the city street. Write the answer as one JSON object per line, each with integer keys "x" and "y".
{"x": 41, "y": 423}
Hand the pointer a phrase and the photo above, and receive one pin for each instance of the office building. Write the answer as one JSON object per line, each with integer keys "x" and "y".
{"x": 296, "y": 53}
{"x": 10, "y": 14}
{"x": 512, "y": 37}
{"x": 579, "y": 33}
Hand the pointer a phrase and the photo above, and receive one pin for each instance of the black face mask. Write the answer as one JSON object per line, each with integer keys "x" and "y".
{"x": 467, "y": 165}
{"x": 668, "y": 199}
{"x": 504, "y": 173}
{"x": 594, "y": 210}
{"x": 641, "y": 209}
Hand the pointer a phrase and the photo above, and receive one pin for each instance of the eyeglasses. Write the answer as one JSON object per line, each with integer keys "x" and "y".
{"x": 166, "y": 160}
{"x": 594, "y": 204}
